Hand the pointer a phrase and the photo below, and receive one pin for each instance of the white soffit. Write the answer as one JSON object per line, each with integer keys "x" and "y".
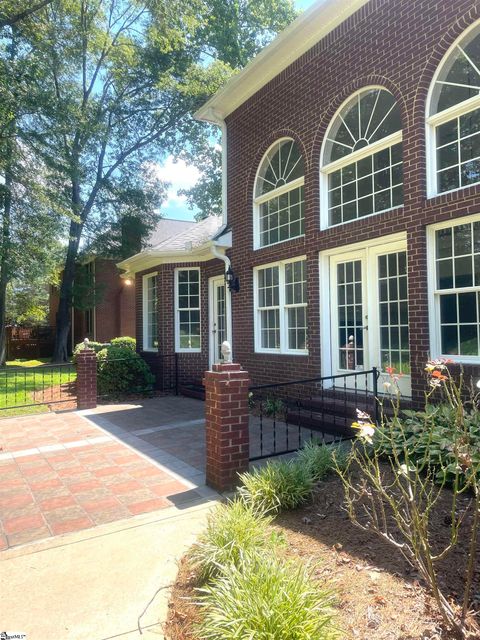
{"x": 308, "y": 29}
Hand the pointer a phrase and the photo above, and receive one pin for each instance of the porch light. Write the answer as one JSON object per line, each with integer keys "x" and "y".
{"x": 128, "y": 282}
{"x": 231, "y": 280}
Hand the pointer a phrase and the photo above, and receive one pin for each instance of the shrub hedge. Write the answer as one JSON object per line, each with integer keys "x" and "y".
{"x": 122, "y": 371}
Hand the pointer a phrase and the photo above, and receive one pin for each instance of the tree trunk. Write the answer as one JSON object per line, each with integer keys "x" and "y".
{"x": 63, "y": 319}
{"x": 5, "y": 257}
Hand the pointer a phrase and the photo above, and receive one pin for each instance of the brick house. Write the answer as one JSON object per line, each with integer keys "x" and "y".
{"x": 113, "y": 313}
{"x": 351, "y": 198}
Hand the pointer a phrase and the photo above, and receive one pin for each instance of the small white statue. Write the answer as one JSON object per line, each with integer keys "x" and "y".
{"x": 85, "y": 343}
{"x": 226, "y": 350}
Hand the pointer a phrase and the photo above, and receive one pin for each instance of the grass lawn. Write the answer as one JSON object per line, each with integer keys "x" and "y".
{"x": 20, "y": 379}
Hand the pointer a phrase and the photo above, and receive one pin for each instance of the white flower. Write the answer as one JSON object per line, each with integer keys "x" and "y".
{"x": 361, "y": 415}
{"x": 387, "y": 385}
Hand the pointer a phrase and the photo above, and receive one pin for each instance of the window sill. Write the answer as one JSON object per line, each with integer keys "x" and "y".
{"x": 277, "y": 352}
{"x": 188, "y": 350}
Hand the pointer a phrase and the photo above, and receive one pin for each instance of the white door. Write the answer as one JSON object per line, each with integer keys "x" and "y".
{"x": 369, "y": 314}
{"x": 218, "y": 318}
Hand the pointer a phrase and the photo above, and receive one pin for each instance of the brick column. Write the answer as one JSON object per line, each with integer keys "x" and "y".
{"x": 226, "y": 424}
{"x": 87, "y": 379}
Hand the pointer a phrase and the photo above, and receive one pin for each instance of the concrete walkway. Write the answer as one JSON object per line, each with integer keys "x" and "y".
{"x": 101, "y": 583}
{"x": 96, "y": 508}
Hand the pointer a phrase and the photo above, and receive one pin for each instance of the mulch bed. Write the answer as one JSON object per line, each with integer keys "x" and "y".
{"x": 379, "y": 596}
{"x": 60, "y": 397}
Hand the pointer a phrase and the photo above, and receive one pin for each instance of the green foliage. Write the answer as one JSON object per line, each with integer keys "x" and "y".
{"x": 276, "y": 486}
{"x": 320, "y": 460}
{"x": 273, "y": 407}
{"x": 124, "y": 341}
{"x": 233, "y": 531}
{"x": 431, "y": 438}
{"x": 96, "y": 346}
{"x": 122, "y": 371}
{"x": 266, "y": 599}
{"x": 394, "y": 485}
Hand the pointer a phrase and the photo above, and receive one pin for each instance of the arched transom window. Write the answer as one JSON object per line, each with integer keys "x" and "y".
{"x": 362, "y": 158}
{"x": 454, "y": 117}
{"x": 279, "y": 197}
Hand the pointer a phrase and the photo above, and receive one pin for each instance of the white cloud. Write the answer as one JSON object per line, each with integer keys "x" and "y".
{"x": 179, "y": 175}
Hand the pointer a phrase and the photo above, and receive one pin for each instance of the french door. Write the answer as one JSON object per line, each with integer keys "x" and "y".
{"x": 218, "y": 318}
{"x": 369, "y": 314}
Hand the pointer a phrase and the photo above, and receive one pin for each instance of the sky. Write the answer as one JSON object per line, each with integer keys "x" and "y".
{"x": 182, "y": 176}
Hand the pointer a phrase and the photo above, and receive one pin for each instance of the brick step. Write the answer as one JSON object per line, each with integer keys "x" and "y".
{"x": 196, "y": 391}
{"x": 333, "y": 425}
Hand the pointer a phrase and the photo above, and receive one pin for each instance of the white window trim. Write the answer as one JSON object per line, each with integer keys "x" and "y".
{"x": 179, "y": 349}
{"x": 145, "y": 279}
{"x": 327, "y": 169}
{"x": 434, "y": 300}
{"x": 258, "y": 200}
{"x": 282, "y": 306}
{"x": 433, "y": 121}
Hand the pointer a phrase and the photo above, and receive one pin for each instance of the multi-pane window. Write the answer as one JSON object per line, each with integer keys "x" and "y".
{"x": 458, "y": 152}
{"x": 457, "y": 288}
{"x": 350, "y": 314}
{"x": 188, "y": 310}
{"x": 281, "y": 307}
{"x": 150, "y": 319}
{"x": 454, "y": 117}
{"x": 362, "y": 159}
{"x": 279, "y": 195}
{"x": 393, "y": 308}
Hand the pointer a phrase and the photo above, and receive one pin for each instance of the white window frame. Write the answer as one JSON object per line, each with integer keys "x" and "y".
{"x": 282, "y": 307}
{"x": 178, "y": 348}
{"x": 434, "y": 298}
{"x": 145, "y": 336}
{"x": 259, "y": 200}
{"x": 434, "y": 121}
{"x": 327, "y": 169}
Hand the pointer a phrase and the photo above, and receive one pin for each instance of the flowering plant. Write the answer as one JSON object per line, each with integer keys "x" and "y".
{"x": 398, "y": 472}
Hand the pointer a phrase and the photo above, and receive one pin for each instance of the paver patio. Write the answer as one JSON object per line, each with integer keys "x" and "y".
{"x": 70, "y": 471}
{"x": 63, "y": 472}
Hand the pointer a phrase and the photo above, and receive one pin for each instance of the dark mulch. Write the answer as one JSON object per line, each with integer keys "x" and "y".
{"x": 379, "y": 596}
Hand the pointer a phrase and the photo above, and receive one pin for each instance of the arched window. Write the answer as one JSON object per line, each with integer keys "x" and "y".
{"x": 454, "y": 117}
{"x": 362, "y": 158}
{"x": 279, "y": 198}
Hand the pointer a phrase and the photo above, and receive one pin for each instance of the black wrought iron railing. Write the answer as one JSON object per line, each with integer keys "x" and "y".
{"x": 47, "y": 384}
{"x": 168, "y": 379}
{"x": 286, "y": 415}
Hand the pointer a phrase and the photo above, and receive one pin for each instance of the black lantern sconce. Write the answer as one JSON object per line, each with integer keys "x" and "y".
{"x": 232, "y": 280}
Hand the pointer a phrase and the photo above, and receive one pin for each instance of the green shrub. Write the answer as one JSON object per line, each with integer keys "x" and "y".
{"x": 122, "y": 371}
{"x": 96, "y": 346}
{"x": 276, "y": 486}
{"x": 431, "y": 438}
{"x": 266, "y": 599}
{"x": 321, "y": 459}
{"x": 233, "y": 530}
{"x": 124, "y": 341}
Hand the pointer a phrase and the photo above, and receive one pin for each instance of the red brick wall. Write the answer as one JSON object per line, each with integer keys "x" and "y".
{"x": 115, "y": 311}
{"x": 393, "y": 43}
{"x": 191, "y": 365}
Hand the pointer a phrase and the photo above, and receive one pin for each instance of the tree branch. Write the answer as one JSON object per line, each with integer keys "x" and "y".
{"x": 4, "y": 22}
